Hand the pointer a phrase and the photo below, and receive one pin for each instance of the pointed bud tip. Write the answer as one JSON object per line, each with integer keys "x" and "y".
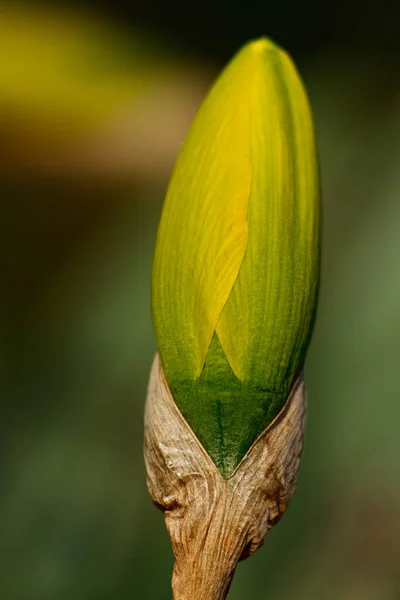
{"x": 262, "y": 46}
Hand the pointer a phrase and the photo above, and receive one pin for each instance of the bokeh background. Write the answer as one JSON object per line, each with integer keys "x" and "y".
{"x": 95, "y": 100}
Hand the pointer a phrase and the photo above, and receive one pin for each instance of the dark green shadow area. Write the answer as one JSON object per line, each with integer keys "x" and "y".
{"x": 226, "y": 415}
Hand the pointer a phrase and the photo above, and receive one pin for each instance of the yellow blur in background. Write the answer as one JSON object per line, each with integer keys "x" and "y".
{"x": 81, "y": 94}
{"x": 93, "y": 109}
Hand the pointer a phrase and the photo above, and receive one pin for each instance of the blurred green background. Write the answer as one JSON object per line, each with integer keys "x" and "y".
{"x": 95, "y": 100}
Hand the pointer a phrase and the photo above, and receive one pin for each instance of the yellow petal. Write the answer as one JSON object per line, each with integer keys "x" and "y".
{"x": 203, "y": 235}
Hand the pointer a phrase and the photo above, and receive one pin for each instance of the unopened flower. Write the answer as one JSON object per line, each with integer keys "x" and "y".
{"x": 236, "y": 264}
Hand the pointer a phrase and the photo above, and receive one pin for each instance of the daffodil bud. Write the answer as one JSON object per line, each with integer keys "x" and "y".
{"x": 236, "y": 263}
{"x": 234, "y": 292}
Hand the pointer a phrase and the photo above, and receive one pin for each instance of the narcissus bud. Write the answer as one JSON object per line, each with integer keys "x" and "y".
{"x": 236, "y": 264}
{"x": 235, "y": 276}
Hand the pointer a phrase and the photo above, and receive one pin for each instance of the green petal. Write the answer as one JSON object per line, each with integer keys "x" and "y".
{"x": 266, "y": 322}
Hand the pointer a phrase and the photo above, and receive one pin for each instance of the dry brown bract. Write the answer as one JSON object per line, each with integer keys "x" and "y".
{"x": 212, "y": 522}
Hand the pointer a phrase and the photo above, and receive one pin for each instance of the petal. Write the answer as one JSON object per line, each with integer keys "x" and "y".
{"x": 202, "y": 236}
{"x": 266, "y": 323}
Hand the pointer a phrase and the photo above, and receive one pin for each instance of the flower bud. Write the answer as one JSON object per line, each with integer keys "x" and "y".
{"x": 236, "y": 265}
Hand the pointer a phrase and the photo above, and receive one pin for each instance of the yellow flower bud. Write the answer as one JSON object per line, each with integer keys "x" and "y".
{"x": 236, "y": 265}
